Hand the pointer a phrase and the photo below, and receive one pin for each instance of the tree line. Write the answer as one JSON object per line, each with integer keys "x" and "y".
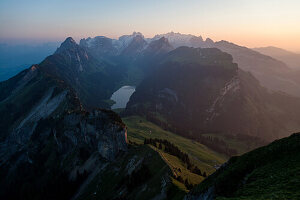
{"x": 171, "y": 149}
{"x": 215, "y": 144}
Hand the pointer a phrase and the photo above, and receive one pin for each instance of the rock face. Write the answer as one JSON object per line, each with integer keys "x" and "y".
{"x": 94, "y": 80}
{"x": 48, "y": 141}
{"x": 70, "y": 147}
{"x": 202, "y": 90}
{"x": 102, "y": 130}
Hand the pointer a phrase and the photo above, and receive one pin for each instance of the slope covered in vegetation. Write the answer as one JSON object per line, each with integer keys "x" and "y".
{"x": 269, "y": 172}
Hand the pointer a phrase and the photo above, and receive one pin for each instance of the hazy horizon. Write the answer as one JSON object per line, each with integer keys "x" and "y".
{"x": 251, "y": 24}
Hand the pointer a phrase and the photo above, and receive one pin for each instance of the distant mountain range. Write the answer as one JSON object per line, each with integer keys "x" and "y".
{"x": 290, "y": 58}
{"x": 272, "y": 73}
{"x": 58, "y": 135}
{"x": 270, "y": 70}
{"x": 98, "y": 66}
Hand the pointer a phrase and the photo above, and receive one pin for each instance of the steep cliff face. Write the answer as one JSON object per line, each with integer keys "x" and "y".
{"x": 195, "y": 91}
{"x": 66, "y": 150}
{"x": 94, "y": 80}
{"x": 49, "y": 143}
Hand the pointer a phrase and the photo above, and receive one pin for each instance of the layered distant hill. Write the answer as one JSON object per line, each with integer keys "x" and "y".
{"x": 290, "y": 58}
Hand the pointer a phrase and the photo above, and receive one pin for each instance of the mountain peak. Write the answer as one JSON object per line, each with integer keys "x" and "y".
{"x": 161, "y": 45}
{"x": 164, "y": 39}
{"x": 127, "y": 39}
{"x": 208, "y": 40}
{"x": 69, "y": 43}
{"x": 134, "y": 34}
{"x": 69, "y": 40}
{"x": 178, "y": 39}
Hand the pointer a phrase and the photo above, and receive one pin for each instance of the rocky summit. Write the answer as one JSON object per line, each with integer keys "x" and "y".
{"x": 49, "y": 137}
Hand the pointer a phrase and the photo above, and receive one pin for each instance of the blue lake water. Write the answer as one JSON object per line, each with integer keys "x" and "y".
{"x": 121, "y": 96}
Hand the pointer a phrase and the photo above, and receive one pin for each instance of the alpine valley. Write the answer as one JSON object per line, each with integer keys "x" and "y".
{"x": 207, "y": 120}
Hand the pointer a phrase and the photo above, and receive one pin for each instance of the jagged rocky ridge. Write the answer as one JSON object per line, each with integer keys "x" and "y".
{"x": 94, "y": 80}
{"x": 272, "y": 74}
{"x": 49, "y": 143}
{"x": 132, "y": 54}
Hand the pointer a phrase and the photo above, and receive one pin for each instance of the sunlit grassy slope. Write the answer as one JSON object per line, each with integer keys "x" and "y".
{"x": 269, "y": 172}
{"x": 206, "y": 159}
{"x": 240, "y": 146}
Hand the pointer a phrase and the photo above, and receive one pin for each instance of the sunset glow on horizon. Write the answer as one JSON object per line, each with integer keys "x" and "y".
{"x": 247, "y": 23}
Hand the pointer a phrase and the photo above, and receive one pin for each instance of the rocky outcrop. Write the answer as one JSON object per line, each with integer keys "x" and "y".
{"x": 93, "y": 79}
{"x": 48, "y": 137}
{"x": 74, "y": 146}
{"x": 97, "y": 129}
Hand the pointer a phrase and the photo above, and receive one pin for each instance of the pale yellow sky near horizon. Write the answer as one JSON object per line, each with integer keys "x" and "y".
{"x": 251, "y": 23}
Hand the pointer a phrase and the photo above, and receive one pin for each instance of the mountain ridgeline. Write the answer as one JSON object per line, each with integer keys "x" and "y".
{"x": 290, "y": 58}
{"x": 93, "y": 80}
{"x": 47, "y": 138}
{"x": 194, "y": 91}
{"x": 272, "y": 73}
{"x": 60, "y": 140}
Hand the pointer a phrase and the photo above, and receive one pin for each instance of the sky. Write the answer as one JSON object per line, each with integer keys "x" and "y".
{"x": 251, "y": 23}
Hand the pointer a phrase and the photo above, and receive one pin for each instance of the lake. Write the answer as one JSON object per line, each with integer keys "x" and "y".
{"x": 121, "y": 96}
